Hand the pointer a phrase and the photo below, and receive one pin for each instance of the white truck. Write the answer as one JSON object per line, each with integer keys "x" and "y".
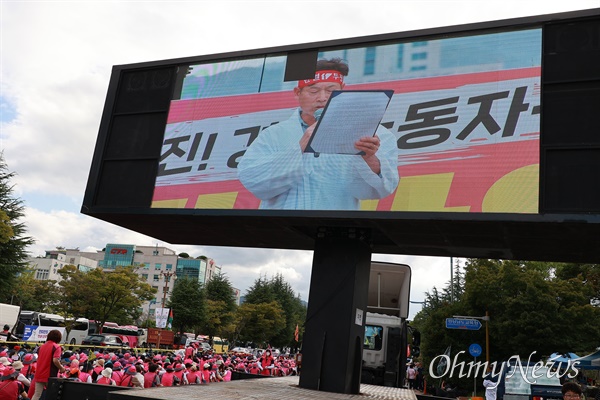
{"x": 386, "y": 327}
{"x": 9, "y": 315}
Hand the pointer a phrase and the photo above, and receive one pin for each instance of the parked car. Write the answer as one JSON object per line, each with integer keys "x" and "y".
{"x": 205, "y": 346}
{"x": 240, "y": 350}
{"x": 103, "y": 340}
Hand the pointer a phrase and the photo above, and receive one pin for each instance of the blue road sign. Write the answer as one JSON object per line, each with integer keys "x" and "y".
{"x": 475, "y": 350}
{"x": 463, "y": 323}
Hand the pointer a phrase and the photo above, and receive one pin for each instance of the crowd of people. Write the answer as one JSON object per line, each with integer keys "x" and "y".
{"x": 25, "y": 371}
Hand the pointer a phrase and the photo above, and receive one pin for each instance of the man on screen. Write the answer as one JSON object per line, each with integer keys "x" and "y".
{"x": 277, "y": 170}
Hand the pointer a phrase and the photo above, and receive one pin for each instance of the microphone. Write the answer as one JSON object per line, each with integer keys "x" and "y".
{"x": 318, "y": 114}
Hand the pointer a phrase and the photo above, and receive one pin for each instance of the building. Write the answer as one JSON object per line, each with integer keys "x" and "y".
{"x": 46, "y": 268}
{"x": 158, "y": 266}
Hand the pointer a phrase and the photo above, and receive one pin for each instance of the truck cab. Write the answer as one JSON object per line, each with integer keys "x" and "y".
{"x": 385, "y": 340}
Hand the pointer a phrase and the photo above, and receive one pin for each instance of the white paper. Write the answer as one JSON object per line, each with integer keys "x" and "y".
{"x": 349, "y": 116}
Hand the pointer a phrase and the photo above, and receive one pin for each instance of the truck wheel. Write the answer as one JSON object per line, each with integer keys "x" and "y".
{"x": 73, "y": 341}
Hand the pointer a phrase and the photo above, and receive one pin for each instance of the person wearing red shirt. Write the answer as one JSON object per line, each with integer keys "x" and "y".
{"x": 169, "y": 378}
{"x": 266, "y": 362}
{"x": 151, "y": 378}
{"x": 48, "y": 362}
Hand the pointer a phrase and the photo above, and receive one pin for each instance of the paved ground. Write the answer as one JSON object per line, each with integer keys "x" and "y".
{"x": 263, "y": 389}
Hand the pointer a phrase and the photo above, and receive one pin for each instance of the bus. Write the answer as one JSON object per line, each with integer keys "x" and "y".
{"x": 129, "y": 333}
{"x": 32, "y": 326}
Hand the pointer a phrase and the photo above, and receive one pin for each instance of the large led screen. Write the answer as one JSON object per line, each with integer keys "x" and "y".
{"x": 459, "y": 130}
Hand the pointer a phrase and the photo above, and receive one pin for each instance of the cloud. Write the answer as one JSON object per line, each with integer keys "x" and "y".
{"x": 57, "y": 59}
{"x": 242, "y": 266}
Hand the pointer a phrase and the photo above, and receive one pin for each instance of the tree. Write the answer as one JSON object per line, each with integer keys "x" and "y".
{"x": 74, "y": 301}
{"x": 530, "y": 304}
{"x": 293, "y": 309}
{"x": 105, "y": 295}
{"x": 188, "y": 304}
{"x": 260, "y": 292}
{"x": 121, "y": 294}
{"x": 34, "y": 294}
{"x": 279, "y": 291}
{"x": 13, "y": 240}
{"x": 259, "y": 323}
{"x": 221, "y": 305}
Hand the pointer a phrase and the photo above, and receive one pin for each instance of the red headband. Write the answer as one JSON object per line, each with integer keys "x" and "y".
{"x": 323, "y": 76}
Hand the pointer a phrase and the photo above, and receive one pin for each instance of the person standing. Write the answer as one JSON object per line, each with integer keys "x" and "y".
{"x": 411, "y": 376}
{"x": 278, "y": 169}
{"x": 490, "y": 382}
{"x": 48, "y": 362}
{"x": 267, "y": 363}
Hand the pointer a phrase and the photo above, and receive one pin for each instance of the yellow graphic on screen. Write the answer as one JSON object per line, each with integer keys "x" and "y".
{"x": 171, "y": 203}
{"x": 425, "y": 193}
{"x": 217, "y": 200}
{"x": 512, "y": 193}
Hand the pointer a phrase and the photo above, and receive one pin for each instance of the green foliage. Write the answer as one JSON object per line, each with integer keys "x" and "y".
{"x": 279, "y": 291}
{"x": 33, "y": 294}
{"x": 13, "y": 240}
{"x": 533, "y": 307}
{"x": 115, "y": 295}
{"x": 259, "y": 323}
{"x": 221, "y": 306}
{"x": 188, "y": 304}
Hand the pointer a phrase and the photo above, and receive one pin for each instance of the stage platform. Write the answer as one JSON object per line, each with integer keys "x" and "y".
{"x": 263, "y": 389}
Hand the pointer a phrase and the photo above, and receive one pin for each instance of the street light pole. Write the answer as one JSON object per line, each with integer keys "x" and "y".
{"x": 451, "y": 280}
{"x": 167, "y": 276}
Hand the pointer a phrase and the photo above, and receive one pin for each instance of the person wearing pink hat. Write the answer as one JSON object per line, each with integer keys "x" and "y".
{"x": 10, "y": 387}
{"x": 181, "y": 373}
{"x": 29, "y": 365}
{"x": 137, "y": 377}
{"x": 118, "y": 372}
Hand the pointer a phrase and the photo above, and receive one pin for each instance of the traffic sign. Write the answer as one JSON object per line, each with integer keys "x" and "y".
{"x": 475, "y": 350}
{"x": 463, "y": 323}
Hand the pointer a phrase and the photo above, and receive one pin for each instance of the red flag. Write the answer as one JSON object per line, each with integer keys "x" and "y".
{"x": 296, "y": 332}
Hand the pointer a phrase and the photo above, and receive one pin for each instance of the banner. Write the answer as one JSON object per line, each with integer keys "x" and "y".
{"x": 161, "y": 314}
{"x": 35, "y": 333}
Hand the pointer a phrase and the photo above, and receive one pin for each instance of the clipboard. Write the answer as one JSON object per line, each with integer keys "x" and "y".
{"x": 348, "y": 116}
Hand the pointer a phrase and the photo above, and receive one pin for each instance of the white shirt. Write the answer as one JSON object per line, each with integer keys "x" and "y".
{"x": 276, "y": 171}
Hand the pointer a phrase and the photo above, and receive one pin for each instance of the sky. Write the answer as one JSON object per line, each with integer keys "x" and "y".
{"x": 55, "y": 63}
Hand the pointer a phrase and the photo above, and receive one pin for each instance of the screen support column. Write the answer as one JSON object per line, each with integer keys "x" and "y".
{"x": 337, "y": 308}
